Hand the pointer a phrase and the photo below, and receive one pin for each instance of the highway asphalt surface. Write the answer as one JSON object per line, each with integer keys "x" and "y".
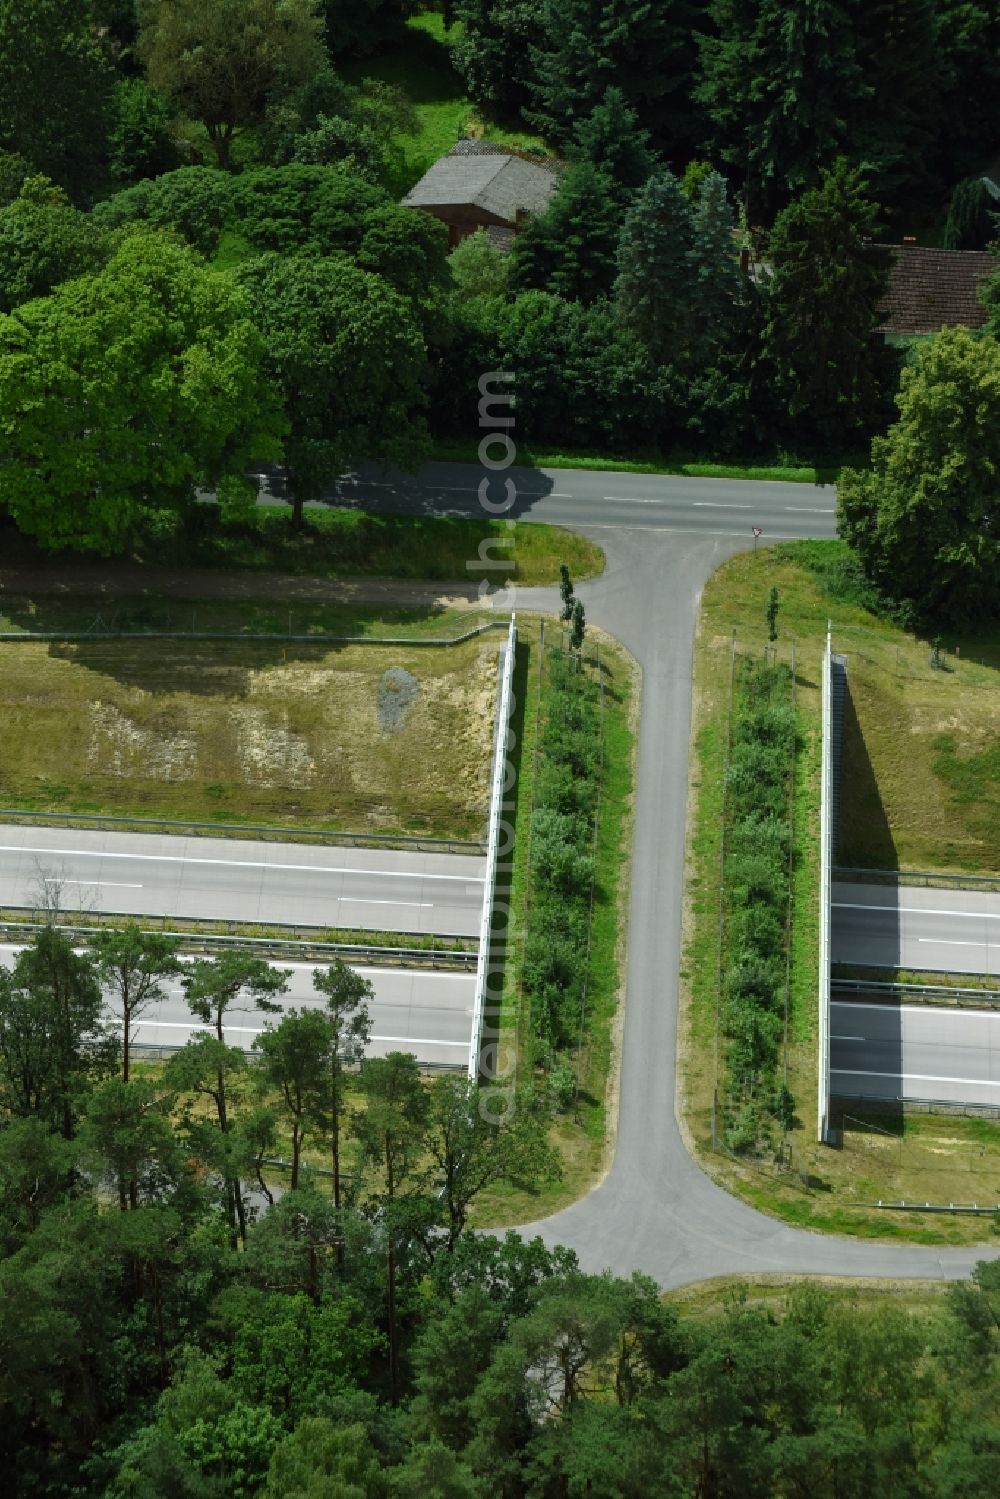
{"x": 428, "y": 1013}
{"x": 657, "y": 1211}
{"x": 913, "y": 1051}
{"x": 916, "y": 927}
{"x": 216, "y": 879}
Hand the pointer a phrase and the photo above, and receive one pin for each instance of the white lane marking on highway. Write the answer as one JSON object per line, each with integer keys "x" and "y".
{"x": 953, "y": 942}
{"x": 421, "y": 1041}
{"x": 717, "y": 505}
{"x": 920, "y": 1077}
{"x": 364, "y": 900}
{"x": 809, "y": 510}
{"x": 848, "y": 1038}
{"x": 927, "y": 1011}
{"x": 55, "y": 879}
{"x": 847, "y": 905}
{"x": 553, "y": 494}
{"x": 632, "y": 499}
{"x": 436, "y": 973}
{"x": 389, "y": 874}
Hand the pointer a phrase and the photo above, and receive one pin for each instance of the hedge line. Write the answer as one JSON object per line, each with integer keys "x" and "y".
{"x": 755, "y": 903}
{"x": 567, "y": 790}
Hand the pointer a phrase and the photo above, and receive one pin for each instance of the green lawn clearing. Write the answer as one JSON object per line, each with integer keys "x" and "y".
{"x": 421, "y": 66}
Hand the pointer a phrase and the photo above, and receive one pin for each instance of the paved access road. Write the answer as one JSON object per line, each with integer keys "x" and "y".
{"x": 916, "y": 927}
{"x": 603, "y": 501}
{"x": 217, "y": 879}
{"x": 428, "y": 1013}
{"x": 656, "y": 1210}
{"x": 880, "y": 1050}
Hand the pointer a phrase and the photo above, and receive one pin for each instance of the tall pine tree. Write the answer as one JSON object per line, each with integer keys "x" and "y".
{"x": 895, "y": 136}
{"x": 653, "y": 290}
{"x": 570, "y": 248}
{"x": 781, "y": 82}
{"x": 714, "y": 275}
{"x": 644, "y": 47}
{"x": 612, "y": 140}
{"x": 828, "y": 275}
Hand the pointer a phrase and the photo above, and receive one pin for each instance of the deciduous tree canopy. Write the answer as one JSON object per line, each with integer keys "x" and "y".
{"x": 926, "y": 520}
{"x": 221, "y": 62}
{"x": 125, "y": 389}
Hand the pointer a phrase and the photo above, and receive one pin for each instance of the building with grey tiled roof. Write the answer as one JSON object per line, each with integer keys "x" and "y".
{"x": 480, "y": 185}
{"x": 933, "y": 289}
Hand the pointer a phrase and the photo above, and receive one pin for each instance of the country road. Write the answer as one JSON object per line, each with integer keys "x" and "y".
{"x": 657, "y": 1211}
{"x": 599, "y": 500}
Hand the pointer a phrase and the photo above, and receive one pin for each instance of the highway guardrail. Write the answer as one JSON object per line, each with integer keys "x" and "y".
{"x": 916, "y": 877}
{"x": 927, "y": 993}
{"x": 402, "y": 957}
{"x": 180, "y": 828}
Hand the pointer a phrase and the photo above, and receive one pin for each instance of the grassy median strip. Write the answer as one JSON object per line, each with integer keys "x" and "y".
{"x": 563, "y": 996}
{"x": 919, "y": 1157}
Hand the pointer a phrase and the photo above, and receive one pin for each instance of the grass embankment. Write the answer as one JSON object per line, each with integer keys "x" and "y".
{"x": 378, "y": 738}
{"x": 353, "y": 543}
{"x": 923, "y": 1158}
{"x": 421, "y": 66}
{"x": 465, "y": 450}
{"x": 583, "y": 1130}
{"x": 776, "y": 1293}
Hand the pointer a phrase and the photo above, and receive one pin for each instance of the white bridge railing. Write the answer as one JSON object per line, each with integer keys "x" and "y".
{"x": 505, "y": 703}
{"x": 825, "y": 894}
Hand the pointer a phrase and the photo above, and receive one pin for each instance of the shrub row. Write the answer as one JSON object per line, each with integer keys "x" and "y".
{"x": 755, "y": 902}
{"x": 562, "y": 864}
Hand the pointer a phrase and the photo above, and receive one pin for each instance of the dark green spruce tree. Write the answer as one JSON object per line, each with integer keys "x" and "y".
{"x": 654, "y": 264}
{"x": 780, "y": 82}
{"x": 647, "y": 50}
{"x": 828, "y": 276}
{"x": 570, "y": 248}
{"x": 612, "y": 140}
